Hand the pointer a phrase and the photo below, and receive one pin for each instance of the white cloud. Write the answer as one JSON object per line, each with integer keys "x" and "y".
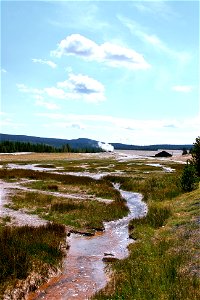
{"x": 182, "y": 88}
{"x": 54, "y": 92}
{"x": 25, "y": 89}
{"x": 40, "y": 102}
{"x": 68, "y": 69}
{"x": 69, "y": 10}
{"x": 44, "y": 62}
{"x": 85, "y": 87}
{"x": 112, "y": 129}
{"x": 158, "y": 8}
{"x": 78, "y": 126}
{"x": 7, "y": 123}
{"x": 117, "y": 56}
{"x": 76, "y": 44}
{"x": 76, "y": 87}
{"x": 64, "y": 124}
{"x": 108, "y": 53}
{"x": 3, "y": 70}
{"x": 152, "y": 39}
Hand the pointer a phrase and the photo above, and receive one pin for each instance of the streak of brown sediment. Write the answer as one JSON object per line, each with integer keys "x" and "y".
{"x": 34, "y": 295}
{"x": 43, "y": 292}
{"x": 66, "y": 287}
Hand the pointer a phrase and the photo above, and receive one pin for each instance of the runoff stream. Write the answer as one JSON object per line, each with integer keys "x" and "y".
{"x": 84, "y": 267}
{"x": 84, "y": 271}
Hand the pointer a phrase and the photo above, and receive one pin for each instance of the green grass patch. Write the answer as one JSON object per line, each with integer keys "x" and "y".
{"x": 153, "y": 187}
{"x": 80, "y": 214}
{"x": 156, "y": 216}
{"x": 164, "y": 261}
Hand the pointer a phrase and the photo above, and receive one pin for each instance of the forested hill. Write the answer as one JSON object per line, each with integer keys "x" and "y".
{"x": 54, "y": 142}
{"x": 86, "y": 143}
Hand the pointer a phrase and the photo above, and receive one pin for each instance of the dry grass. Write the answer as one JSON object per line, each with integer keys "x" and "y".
{"x": 40, "y": 157}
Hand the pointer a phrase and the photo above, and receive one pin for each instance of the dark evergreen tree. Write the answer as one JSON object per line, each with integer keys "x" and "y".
{"x": 196, "y": 155}
{"x": 189, "y": 178}
{"x": 11, "y": 147}
{"x": 184, "y": 151}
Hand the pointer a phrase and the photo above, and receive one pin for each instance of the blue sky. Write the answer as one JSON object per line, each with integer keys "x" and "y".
{"x": 113, "y": 71}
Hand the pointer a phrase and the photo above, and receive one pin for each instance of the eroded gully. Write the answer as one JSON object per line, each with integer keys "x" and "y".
{"x": 84, "y": 269}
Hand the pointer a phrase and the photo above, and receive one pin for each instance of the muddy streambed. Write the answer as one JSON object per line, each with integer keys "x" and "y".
{"x": 84, "y": 268}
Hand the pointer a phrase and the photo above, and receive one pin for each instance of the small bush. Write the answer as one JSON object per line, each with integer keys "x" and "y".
{"x": 188, "y": 178}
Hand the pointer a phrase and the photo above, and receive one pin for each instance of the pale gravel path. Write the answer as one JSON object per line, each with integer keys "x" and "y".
{"x": 19, "y": 217}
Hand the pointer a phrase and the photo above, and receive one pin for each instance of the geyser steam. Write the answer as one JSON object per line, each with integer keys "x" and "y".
{"x": 106, "y": 147}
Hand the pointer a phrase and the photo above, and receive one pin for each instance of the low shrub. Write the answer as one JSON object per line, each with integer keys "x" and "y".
{"x": 189, "y": 178}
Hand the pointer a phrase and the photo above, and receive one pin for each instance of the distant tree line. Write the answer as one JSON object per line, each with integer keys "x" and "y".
{"x": 119, "y": 146}
{"x": 11, "y": 147}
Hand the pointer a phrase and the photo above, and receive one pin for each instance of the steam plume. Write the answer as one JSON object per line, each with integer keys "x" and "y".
{"x": 105, "y": 146}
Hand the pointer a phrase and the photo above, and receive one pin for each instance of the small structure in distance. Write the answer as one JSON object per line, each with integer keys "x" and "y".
{"x": 163, "y": 154}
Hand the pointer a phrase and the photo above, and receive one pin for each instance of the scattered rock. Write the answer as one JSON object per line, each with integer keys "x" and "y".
{"x": 86, "y": 233}
{"x": 109, "y": 259}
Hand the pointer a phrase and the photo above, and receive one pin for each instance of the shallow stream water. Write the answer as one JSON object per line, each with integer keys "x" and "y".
{"x": 84, "y": 269}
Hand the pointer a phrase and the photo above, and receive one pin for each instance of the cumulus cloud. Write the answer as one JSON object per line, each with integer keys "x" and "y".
{"x": 76, "y": 44}
{"x": 55, "y": 92}
{"x": 44, "y": 62}
{"x": 109, "y": 53}
{"x": 3, "y": 70}
{"x": 182, "y": 88}
{"x": 76, "y": 87}
{"x": 85, "y": 87}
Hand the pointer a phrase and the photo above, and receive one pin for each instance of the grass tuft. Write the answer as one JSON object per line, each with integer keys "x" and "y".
{"x": 23, "y": 249}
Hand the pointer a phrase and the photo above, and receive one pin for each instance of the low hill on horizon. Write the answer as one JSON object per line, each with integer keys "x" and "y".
{"x": 87, "y": 143}
{"x": 156, "y": 147}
